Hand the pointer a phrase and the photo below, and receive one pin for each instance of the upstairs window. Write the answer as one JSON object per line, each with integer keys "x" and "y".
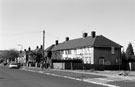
{"x": 66, "y": 52}
{"x": 69, "y": 51}
{"x": 113, "y": 50}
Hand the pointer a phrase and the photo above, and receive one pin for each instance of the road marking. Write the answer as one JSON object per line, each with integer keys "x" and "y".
{"x": 69, "y": 77}
{"x": 79, "y": 79}
{"x": 40, "y": 71}
{"x": 83, "y": 80}
{"x": 105, "y": 79}
{"x": 55, "y": 75}
{"x": 104, "y": 84}
{"x": 47, "y": 73}
{"x": 31, "y": 70}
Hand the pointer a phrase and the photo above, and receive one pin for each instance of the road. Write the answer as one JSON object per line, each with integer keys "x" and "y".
{"x": 20, "y": 78}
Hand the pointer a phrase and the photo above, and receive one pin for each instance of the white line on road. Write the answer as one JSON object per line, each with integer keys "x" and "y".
{"x": 40, "y": 71}
{"x": 31, "y": 70}
{"x": 99, "y": 83}
{"x": 105, "y": 79}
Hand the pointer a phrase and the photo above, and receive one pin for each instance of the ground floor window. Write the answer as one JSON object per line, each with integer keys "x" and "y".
{"x": 87, "y": 60}
{"x": 101, "y": 61}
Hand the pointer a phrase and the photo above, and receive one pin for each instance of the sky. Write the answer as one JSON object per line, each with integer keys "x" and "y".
{"x": 22, "y": 21}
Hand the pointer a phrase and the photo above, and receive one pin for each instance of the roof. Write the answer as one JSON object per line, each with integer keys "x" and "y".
{"x": 102, "y": 41}
{"x": 98, "y": 41}
{"x": 49, "y": 48}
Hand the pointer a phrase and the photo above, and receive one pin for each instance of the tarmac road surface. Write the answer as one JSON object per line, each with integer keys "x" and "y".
{"x": 20, "y": 78}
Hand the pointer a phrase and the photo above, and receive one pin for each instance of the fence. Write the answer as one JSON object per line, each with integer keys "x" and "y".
{"x": 80, "y": 66}
{"x": 73, "y": 65}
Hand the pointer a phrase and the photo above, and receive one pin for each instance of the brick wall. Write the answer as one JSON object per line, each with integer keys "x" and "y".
{"x": 109, "y": 58}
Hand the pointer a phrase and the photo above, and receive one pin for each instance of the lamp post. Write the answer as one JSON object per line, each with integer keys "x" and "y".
{"x": 20, "y": 51}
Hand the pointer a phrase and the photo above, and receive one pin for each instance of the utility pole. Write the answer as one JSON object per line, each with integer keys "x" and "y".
{"x": 43, "y": 43}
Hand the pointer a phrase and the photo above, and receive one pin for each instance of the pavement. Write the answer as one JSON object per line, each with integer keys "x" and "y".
{"x": 125, "y": 75}
{"x": 103, "y": 78}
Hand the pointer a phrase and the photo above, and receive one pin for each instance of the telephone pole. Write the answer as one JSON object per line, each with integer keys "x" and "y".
{"x": 43, "y": 43}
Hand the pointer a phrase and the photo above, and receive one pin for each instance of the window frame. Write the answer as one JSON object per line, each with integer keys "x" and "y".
{"x": 101, "y": 61}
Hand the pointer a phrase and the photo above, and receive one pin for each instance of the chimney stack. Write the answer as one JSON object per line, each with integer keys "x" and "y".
{"x": 21, "y": 51}
{"x": 85, "y": 35}
{"x": 25, "y": 50}
{"x": 56, "y": 42}
{"x": 41, "y": 46}
{"x": 29, "y": 49}
{"x": 93, "y": 34}
{"x": 67, "y": 39}
{"x": 37, "y": 47}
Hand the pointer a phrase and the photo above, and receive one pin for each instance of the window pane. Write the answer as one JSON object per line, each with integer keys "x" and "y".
{"x": 113, "y": 50}
{"x": 101, "y": 61}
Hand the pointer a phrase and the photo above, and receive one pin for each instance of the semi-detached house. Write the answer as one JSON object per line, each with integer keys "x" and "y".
{"x": 94, "y": 49}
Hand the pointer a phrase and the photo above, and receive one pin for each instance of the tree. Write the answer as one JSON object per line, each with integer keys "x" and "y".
{"x": 130, "y": 53}
{"x": 33, "y": 56}
{"x": 36, "y": 56}
{"x": 39, "y": 57}
{"x": 123, "y": 55}
{"x": 11, "y": 55}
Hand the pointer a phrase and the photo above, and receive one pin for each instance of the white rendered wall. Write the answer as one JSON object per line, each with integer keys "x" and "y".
{"x": 86, "y": 53}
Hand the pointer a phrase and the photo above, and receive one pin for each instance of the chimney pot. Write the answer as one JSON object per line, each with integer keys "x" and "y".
{"x": 85, "y": 35}
{"x": 37, "y": 47}
{"x": 56, "y": 42}
{"x": 29, "y": 49}
{"x": 25, "y": 50}
{"x": 93, "y": 34}
{"x": 41, "y": 47}
{"x": 67, "y": 38}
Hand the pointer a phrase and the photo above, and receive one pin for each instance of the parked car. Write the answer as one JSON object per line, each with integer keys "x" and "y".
{"x": 14, "y": 65}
